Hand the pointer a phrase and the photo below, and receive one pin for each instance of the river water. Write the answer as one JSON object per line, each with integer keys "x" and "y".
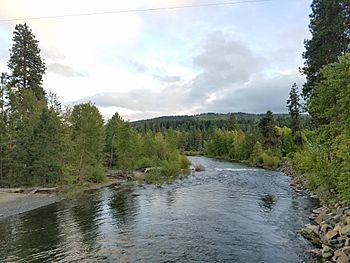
{"x": 228, "y": 213}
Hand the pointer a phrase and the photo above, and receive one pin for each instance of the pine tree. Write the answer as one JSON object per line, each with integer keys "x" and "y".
{"x": 232, "y": 122}
{"x": 27, "y": 67}
{"x": 329, "y": 27}
{"x": 268, "y": 131}
{"x": 294, "y": 109}
{"x": 3, "y": 79}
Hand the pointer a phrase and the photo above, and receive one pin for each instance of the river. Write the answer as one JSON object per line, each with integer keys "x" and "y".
{"x": 228, "y": 213}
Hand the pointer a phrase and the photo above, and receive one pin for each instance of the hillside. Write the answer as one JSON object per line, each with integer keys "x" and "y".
{"x": 247, "y": 121}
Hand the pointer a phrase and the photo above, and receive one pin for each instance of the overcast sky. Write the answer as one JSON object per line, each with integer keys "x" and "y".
{"x": 243, "y": 57}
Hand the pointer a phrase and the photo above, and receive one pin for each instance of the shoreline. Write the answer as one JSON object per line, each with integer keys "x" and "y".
{"x": 23, "y": 200}
{"x": 12, "y": 204}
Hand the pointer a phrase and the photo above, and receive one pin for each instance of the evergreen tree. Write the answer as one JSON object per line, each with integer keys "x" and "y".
{"x": 49, "y": 148}
{"x": 232, "y": 122}
{"x": 112, "y": 128}
{"x": 294, "y": 109}
{"x": 268, "y": 131}
{"x": 27, "y": 67}
{"x": 3, "y": 79}
{"x": 329, "y": 27}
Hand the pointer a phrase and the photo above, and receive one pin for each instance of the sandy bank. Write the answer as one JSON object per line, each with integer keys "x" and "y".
{"x": 16, "y": 203}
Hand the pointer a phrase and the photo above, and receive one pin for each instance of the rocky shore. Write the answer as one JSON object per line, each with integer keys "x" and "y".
{"x": 329, "y": 231}
{"x": 329, "y": 227}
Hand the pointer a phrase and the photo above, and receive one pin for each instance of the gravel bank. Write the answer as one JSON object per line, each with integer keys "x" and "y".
{"x": 15, "y": 203}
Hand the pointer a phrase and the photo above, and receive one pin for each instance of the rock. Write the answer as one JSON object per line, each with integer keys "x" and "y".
{"x": 346, "y": 250}
{"x": 318, "y": 210}
{"x": 341, "y": 211}
{"x": 345, "y": 230}
{"x": 340, "y": 257}
{"x": 316, "y": 252}
{"x": 327, "y": 252}
{"x": 347, "y": 242}
{"x": 314, "y": 228}
{"x": 322, "y": 217}
{"x": 347, "y": 220}
{"x": 310, "y": 235}
{"x": 325, "y": 228}
{"x": 330, "y": 235}
{"x": 337, "y": 227}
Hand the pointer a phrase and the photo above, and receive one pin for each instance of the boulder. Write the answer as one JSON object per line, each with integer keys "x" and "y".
{"x": 345, "y": 230}
{"x": 330, "y": 235}
{"x": 314, "y": 228}
{"x": 347, "y": 242}
{"x": 327, "y": 252}
{"x": 310, "y": 235}
{"x": 322, "y": 217}
{"x": 325, "y": 228}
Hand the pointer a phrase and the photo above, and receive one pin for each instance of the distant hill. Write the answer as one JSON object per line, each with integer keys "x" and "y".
{"x": 205, "y": 121}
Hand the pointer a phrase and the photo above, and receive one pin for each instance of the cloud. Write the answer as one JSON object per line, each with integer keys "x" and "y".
{"x": 230, "y": 79}
{"x": 168, "y": 79}
{"x": 63, "y": 70}
{"x": 261, "y": 94}
{"x": 225, "y": 63}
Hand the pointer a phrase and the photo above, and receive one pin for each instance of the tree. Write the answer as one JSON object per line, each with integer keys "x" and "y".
{"x": 49, "y": 148}
{"x": 329, "y": 27}
{"x": 294, "y": 109}
{"x": 232, "y": 122}
{"x": 88, "y": 139}
{"x": 27, "y": 67}
{"x": 3, "y": 79}
{"x": 268, "y": 131}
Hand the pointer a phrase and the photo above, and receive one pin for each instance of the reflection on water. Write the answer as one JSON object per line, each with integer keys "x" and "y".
{"x": 267, "y": 201}
{"x": 229, "y": 213}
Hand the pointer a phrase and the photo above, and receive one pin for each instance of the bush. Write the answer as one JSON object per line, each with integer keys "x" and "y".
{"x": 96, "y": 174}
{"x": 270, "y": 161}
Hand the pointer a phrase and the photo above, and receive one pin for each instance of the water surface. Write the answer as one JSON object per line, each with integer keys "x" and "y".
{"x": 228, "y": 213}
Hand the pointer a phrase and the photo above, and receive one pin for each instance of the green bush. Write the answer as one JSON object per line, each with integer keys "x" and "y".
{"x": 96, "y": 174}
{"x": 270, "y": 161}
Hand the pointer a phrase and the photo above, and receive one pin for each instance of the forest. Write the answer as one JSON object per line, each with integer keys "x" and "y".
{"x": 43, "y": 143}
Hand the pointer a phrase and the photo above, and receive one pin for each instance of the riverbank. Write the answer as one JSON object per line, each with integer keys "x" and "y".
{"x": 329, "y": 227}
{"x": 15, "y": 201}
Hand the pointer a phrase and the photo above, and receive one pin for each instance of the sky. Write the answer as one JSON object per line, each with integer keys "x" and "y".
{"x": 233, "y": 58}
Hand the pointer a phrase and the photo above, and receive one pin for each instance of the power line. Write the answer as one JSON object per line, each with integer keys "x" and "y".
{"x": 135, "y": 10}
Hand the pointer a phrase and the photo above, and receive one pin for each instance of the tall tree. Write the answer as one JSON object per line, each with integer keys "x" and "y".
{"x": 26, "y": 65}
{"x": 232, "y": 122}
{"x": 294, "y": 109}
{"x": 329, "y": 27}
{"x": 88, "y": 139}
{"x": 268, "y": 131}
{"x": 3, "y": 79}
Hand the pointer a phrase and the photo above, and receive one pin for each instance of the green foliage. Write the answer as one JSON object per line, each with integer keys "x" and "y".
{"x": 269, "y": 160}
{"x": 268, "y": 131}
{"x": 87, "y": 138}
{"x": 329, "y": 27}
{"x": 27, "y": 67}
{"x": 232, "y": 122}
{"x": 255, "y": 157}
{"x": 294, "y": 108}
